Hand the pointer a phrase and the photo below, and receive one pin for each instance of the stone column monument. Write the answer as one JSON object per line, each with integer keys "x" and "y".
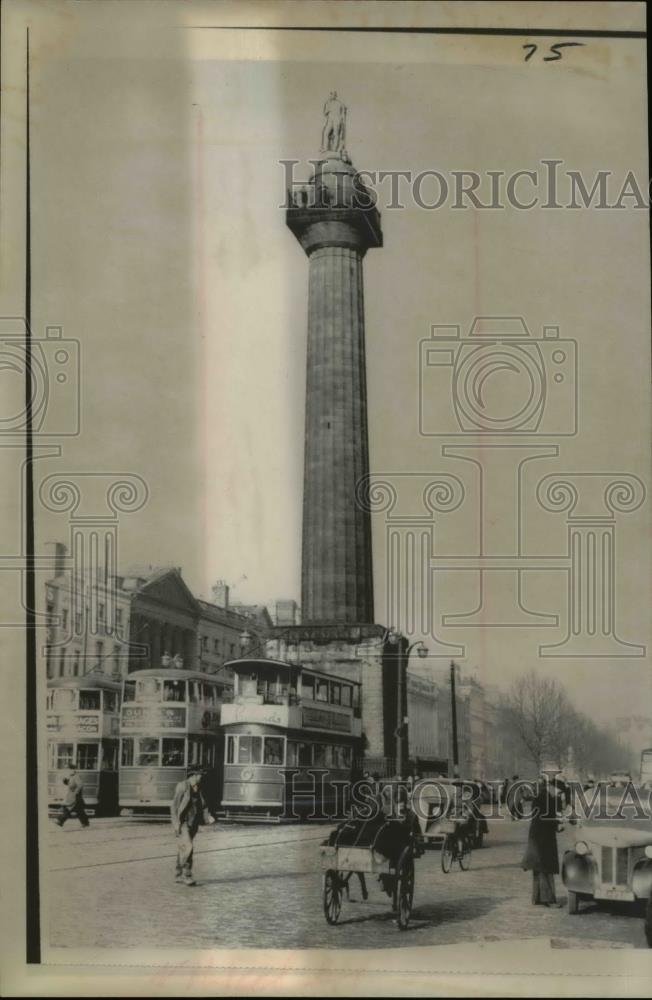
{"x": 335, "y": 223}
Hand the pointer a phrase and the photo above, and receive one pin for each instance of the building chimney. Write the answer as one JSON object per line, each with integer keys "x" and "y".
{"x": 287, "y": 613}
{"x": 220, "y": 591}
{"x": 60, "y": 553}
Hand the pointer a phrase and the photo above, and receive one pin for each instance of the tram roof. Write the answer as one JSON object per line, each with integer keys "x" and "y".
{"x": 265, "y": 662}
{"x": 85, "y": 681}
{"x": 175, "y": 674}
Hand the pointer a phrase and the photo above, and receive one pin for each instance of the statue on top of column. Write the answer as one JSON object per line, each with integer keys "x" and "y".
{"x": 333, "y": 137}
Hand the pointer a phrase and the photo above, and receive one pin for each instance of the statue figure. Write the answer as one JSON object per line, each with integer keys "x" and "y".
{"x": 333, "y": 135}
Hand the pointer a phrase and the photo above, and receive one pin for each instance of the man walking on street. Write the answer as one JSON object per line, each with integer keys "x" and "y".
{"x": 73, "y": 801}
{"x": 187, "y": 810}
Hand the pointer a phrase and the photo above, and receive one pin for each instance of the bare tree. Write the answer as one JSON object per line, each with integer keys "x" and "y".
{"x": 540, "y": 714}
{"x": 537, "y": 711}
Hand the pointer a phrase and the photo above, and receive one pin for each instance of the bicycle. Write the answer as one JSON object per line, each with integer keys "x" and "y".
{"x": 456, "y": 847}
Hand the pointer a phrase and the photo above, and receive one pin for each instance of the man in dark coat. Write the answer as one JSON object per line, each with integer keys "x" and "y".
{"x": 187, "y": 811}
{"x": 73, "y": 800}
{"x": 541, "y": 856}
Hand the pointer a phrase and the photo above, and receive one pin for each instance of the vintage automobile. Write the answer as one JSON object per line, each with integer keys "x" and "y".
{"x": 609, "y": 862}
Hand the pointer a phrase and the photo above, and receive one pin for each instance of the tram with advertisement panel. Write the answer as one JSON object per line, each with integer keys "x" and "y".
{"x": 82, "y": 720}
{"x": 287, "y": 716}
{"x": 170, "y": 720}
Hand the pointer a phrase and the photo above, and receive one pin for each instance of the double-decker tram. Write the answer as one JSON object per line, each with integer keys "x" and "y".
{"x": 82, "y": 720}
{"x": 170, "y": 719}
{"x": 287, "y": 716}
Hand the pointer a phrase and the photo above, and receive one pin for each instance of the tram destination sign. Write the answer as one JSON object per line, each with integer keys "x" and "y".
{"x": 321, "y": 718}
{"x": 153, "y": 717}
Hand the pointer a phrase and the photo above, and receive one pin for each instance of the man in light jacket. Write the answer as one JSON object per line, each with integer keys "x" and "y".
{"x": 187, "y": 811}
{"x": 73, "y": 800}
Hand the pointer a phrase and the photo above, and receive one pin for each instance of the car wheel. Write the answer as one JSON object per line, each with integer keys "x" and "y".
{"x": 573, "y": 902}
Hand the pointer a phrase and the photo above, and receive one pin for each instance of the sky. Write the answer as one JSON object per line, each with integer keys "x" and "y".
{"x": 161, "y": 248}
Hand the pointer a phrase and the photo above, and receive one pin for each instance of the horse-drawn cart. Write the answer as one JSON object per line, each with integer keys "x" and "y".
{"x": 385, "y": 850}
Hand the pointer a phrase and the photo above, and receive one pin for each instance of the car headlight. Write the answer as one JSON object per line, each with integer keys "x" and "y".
{"x": 581, "y": 848}
{"x": 648, "y": 851}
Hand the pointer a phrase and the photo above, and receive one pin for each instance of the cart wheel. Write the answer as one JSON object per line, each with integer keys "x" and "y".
{"x": 404, "y": 892}
{"x": 447, "y": 853}
{"x": 465, "y": 857}
{"x": 332, "y": 896}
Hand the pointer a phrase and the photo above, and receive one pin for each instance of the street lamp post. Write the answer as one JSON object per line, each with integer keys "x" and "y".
{"x": 403, "y": 657}
{"x": 454, "y": 723}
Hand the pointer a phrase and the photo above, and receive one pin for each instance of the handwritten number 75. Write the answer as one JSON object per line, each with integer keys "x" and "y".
{"x": 555, "y": 49}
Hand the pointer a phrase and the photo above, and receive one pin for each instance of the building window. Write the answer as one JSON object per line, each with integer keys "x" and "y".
{"x": 232, "y": 649}
{"x": 78, "y": 622}
{"x": 116, "y": 658}
{"x": 216, "y": 645}
{"x": 75, "y": 665}
{"x": 100, "y": 613}
{"x": 118, "y": 617}
{"x": 62, "y": 662}
{"x": 99, "y": 652}
{"x": 48, "y": 660}
{"x": 64, "y": 619}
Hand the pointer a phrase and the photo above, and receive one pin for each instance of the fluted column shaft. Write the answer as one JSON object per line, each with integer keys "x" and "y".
{"x": 336, "y": 558}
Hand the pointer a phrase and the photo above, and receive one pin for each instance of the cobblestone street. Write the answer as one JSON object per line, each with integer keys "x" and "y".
{"x": 113, "y": 886}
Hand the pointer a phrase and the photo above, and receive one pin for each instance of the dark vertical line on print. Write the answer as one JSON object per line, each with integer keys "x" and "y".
{"x": 648, "y": 45}
{"x": 32, "y": 886}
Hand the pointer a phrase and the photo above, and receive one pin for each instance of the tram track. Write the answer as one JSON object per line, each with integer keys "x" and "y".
{"x": 167, "y": 855}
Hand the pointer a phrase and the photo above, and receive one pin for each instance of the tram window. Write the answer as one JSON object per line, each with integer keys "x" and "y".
{"x": 89, "y": 701}
{"x": 64, "y": 699}
{"x": 174, "y": 691}
{"x": 208, "y": 691}
{"x": 305, "y": 755}
{"x": 172, "y": 752}
{"x": 150, "y": 689}
{"x": 110, "y": 701}
{"x": 292, "y": 754}
{"x": 87, "y": 756}
{"x": 65, "y": 755}
{"x": 273, "y": 750}
{"x": 230, "y": 749}
{"x": 147, "y": 751}
{"x": 342, "y": 757}
{"x": 336, "y": 693}
{"x": 308, "y": 687}
{"x": 193, "y": 751}
{"x": 249, "y": 749}
{"x": 321, "y": 694}
{"x": 346, "y": 695}
{"x": 127, "y": 755}
{"x": 130, "y": 691}
{"x": 194, "y": 692}
{"x": 319, "y": 755}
